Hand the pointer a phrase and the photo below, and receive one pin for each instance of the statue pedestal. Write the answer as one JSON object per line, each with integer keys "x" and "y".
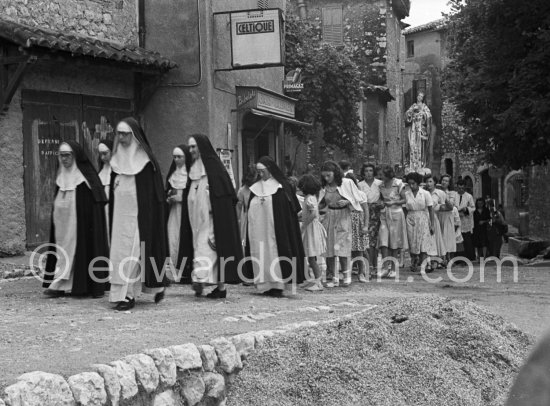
{"x": 422, "y": 171}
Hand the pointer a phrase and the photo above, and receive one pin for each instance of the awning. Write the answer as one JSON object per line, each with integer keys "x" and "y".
{"x": 279, "y": 118}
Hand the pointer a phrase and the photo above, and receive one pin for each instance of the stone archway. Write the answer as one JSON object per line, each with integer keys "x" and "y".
{"x": 512, "y": 196}
{"x": 448, "y": 161}
{"x": 475, "y": 184}
{"x": 508, "y": 185}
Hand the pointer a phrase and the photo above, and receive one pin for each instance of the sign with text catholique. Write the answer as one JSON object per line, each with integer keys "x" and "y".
{"x": 256, "y": 38}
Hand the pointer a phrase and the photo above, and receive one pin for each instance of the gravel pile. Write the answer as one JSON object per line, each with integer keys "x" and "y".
{"x": 404, "y": 352}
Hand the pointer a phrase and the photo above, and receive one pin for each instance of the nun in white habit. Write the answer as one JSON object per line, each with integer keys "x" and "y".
{"x": 176, "y": 198}
{"x": 105, "y": 149}
{"x": 78, "y": 230}
{"x": 138, "y": 227}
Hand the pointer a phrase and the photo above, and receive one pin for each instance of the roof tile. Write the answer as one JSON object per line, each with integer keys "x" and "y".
{"x": 32, "y": 37}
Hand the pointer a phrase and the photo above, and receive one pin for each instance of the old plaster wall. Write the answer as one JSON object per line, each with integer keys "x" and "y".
{"x": 12, "y": 196}
{"x": 114, "y": 20}
{"x": 394, "y": 151}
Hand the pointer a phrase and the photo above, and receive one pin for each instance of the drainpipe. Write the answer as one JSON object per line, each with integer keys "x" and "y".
{"x": 141, "y": 23}
{"x": 302, "y": 8}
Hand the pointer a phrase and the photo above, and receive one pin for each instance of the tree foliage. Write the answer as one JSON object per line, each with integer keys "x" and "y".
{"x": 498, "y": 77}
{"x": 332, "y": 86}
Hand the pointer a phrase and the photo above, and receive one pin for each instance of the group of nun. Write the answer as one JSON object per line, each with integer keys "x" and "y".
{"x": 126, "y": 231}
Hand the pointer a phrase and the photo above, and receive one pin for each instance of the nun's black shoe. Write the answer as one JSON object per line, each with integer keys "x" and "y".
{"x": 198, "y": 288}
{"x": 276, "y": 293}
{"x": 126, "y": 305}
{"x": 54, "y": 293}
{"x": 159, "y": 297}
{"x": 217, "y": 294}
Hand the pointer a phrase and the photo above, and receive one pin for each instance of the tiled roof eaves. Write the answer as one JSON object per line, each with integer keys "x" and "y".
{"x": 431, "y": 26}
{"x": 77, "y": 45}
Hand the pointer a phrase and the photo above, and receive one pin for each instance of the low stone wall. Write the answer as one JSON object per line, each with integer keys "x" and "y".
{"x": 194, "y": 375}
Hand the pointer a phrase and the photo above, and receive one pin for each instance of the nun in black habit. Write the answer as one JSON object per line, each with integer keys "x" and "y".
{"x": 139, "y": 245}
{"x": 274, "y": 239}
{"x": 105, "y": 149}
{"x": 78, "y": 229}
{"x": 178, "y": 220}
{"x": 217, "y": 248}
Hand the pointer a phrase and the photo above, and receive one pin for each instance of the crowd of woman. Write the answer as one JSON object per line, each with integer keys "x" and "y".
{"x": 127, "y": 231}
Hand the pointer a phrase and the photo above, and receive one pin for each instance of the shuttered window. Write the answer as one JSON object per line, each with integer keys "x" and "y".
{"x": 333, "y": 27}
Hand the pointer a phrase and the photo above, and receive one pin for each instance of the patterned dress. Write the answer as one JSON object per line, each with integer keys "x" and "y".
{"x": 393, "y": 227}
{"x": 373, "y": 197}
{"x": 337, "y": 222}
{"x": 418, "y": 223}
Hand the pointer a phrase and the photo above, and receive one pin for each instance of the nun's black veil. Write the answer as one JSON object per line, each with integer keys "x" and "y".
{"x": 109, "y": 144}
{"x": 279, "y": 176}
{"x": 218, "y": 179}
{"x": 140, "y": 136}
{"x": 188, "y": 159}
{"x": 87, "y": 169}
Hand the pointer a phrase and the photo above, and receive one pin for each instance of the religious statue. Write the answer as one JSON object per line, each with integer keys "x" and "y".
{"x": 419, "y": 119}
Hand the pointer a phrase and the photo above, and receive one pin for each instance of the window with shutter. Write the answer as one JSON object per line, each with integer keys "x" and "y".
{"x": 333, "y": 27}
{"x": 410, "y": 49}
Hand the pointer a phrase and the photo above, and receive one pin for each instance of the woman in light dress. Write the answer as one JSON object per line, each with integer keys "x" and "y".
{"x": 439, "y": 201}
{"x": 420, "y": 221}
{"x": 339, "y": 197}
{"x": 446, "y": 219}
{"x": 314, "y": 235}
{"x": 392, "y": 236}
{"x": 371, "y": 187}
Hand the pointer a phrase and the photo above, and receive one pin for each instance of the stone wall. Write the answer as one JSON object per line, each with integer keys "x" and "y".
{"x": 539, "y": 204}
{"x": 372, "y": 34}
{"x": 12, "y": 196}
{"x": 182, "y": 374}
{"x": 395, "y": 125}
{"x": 114, "y": 20}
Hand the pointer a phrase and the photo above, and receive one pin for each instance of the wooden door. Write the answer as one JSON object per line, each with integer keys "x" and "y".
{"x": 100, "y": 116}
{"x": 50, "y": 118}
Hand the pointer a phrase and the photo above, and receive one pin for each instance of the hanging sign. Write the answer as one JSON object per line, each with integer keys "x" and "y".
{"x": 256, "y": 38}
{"x": 293, "y": 81}
{"x": 225, "y": 157}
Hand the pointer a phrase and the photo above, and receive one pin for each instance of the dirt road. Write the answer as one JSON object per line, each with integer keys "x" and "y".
{"x": 66, "y": 335}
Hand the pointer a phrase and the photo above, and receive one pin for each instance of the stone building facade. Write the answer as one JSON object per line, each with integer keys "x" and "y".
{"x": 114, "y": 20}
{"x": 371, "y": 32}
{"x": 64, "y": 85}
{"x": 426, "y": 57}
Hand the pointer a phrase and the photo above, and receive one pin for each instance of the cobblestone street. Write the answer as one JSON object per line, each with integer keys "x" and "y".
{"x": 66, "y": 335}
